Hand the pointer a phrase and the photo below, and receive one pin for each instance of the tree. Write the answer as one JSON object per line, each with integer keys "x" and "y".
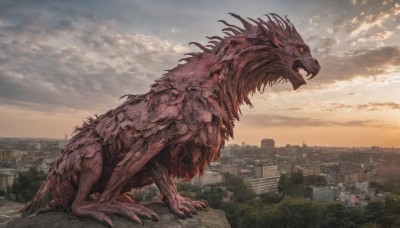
{"x": 284, "y": 184}
{"x": 27, "y": 184}
{"x": 271, "y": 218}
{"x": 297, "y": 178}
{"x": 374, "y": 211}
{"x": 291, "y": 185}
{"x": 270, "y": 198}
{"x": 315, "y": 180}
{"x": 338, "y": 215}
{"x": 241, "y": 192}
{"x": 300, "y": 213}
{"x": 213, "y": 196}
{"x": 391, "y": 215}
{"x": 248, "y": 217}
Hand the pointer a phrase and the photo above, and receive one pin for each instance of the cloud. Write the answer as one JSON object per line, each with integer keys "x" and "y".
{"x": 371, "y": 106}
{"x": 364, "y": 22}
{"x": 379, "y": 36}
{"x": 335, "y": 107}
{"x": 361, "y": 62}
{"x": 75, "y": 60}
{"x": 266, "y": 120}
{"x": 379, "y": 106}
{"x": 323, "y": 45}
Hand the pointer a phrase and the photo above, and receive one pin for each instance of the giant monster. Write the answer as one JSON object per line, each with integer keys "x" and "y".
{"x": 178, "y": 127}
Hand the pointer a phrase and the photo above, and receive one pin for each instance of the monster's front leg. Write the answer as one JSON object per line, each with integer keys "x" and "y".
{"x": 181, "y": 206}
{"x": 108, "y": 202}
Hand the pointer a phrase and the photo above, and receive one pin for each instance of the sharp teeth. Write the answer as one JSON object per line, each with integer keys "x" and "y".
{"x": 303, "y": 72}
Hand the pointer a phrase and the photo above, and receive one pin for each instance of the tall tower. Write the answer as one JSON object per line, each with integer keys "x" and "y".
{"x": 268, "y": 147}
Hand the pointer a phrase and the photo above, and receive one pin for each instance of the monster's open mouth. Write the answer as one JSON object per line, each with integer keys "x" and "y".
{"x": 302, "y": 70}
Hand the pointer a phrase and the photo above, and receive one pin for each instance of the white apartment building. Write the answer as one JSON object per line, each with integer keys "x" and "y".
{"x": 267, "y": 178}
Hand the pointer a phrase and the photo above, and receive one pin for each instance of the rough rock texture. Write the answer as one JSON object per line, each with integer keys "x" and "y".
{"x": 205, "y": 218}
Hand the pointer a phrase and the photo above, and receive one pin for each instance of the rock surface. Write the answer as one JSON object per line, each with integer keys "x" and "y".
{"x": 207, "y": 217}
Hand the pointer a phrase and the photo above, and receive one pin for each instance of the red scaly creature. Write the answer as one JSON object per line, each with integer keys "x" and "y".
{"x": 176, "y": 128}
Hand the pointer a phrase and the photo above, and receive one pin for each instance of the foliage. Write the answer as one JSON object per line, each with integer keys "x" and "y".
{"x": 270, "y": 197}
{"x": 213, "y": 196}
{"x": 299, "y": 212}
{"x": 274, "y": 210}
{"x": 338, "y": 215}
{"x": 240, "y": 190}
{"x": 291, "y": 185}
{"x": 315, "y": 180}
{"x": 297, "y": 178}
{"x": 27, "y": 184}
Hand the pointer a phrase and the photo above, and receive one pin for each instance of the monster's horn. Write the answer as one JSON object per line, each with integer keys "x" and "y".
{"x": 236, "y": 32}
{"x": 245, "y": 23}
{"x": 230, "y": 25}
{"x": 215, "y": 38}
{"x": 200, "y": 46}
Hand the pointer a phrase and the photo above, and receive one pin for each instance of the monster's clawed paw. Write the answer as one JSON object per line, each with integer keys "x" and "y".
{"x": 184, "y": 207}
{"x": 101, "y": 210}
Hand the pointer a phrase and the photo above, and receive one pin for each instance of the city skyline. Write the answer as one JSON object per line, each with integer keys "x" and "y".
{"x": 62, "y": 62}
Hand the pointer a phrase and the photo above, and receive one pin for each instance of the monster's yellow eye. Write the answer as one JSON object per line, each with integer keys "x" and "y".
{"x": 301, "y": 50}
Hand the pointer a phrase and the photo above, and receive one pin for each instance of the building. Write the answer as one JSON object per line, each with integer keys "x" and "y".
{"x": 10, "y": 155}
{"x": 263, "y": 185}
{"x": 267, "y": 171}
{"x": 348, "y": 198}
{"x": 267, "y": 178}
{"x": 268, "y": 147}
{"x": 267, "y": 144}
{"x": 7, "y": 178}
{"x": 208, "y": 177}
{"x": 232, "y": 169}
{"x": 308, "y": 170}
{"x": 325, "y": 194}
{"x": 362, "y": 187}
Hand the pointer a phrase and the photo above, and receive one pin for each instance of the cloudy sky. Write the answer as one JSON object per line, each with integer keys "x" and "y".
{"x": 62, "y": 61}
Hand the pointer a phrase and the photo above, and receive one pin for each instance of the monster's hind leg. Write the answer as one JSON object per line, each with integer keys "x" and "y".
{"x": 63, "y": 195}
{"x": 89, "y": 175}
{"x": 133, "y": 162}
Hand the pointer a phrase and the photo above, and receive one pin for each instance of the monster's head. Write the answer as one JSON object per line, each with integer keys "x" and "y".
{"x": 265, "y": 52}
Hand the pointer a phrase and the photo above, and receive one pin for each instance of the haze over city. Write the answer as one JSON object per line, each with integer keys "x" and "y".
{"x": 63, "y": 61}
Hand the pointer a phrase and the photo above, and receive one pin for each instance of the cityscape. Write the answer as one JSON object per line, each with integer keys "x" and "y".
{"x": 307, "y": 153}
{"x": 346, "y": 175}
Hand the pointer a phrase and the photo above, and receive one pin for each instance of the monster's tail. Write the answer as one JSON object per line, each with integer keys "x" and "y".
{"x": 44, "y": 188}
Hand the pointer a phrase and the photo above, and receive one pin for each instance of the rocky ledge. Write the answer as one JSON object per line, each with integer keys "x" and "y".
{"x": 207, "y": 217}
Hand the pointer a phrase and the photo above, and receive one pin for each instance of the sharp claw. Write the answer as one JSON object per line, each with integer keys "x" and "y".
{"x": 136, "y": 219}
{"x": 204, "y": 202}
{"x": 107, "y": 220}
{"x": 155, "y": 218}
{"x": 191, "y": 208}
{"x": 181, "y": 215}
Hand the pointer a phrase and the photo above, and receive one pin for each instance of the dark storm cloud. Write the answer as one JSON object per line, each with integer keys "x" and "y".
{"x": 265, "y": 120}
